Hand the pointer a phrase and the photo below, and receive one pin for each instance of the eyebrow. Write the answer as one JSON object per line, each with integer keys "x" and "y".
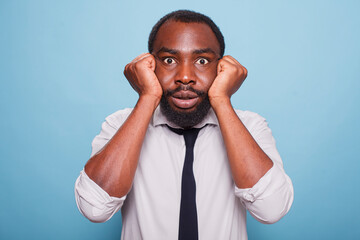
{"x": 204, "y": 50}
{"x": 197, "y": 51}
{"x": 168, "y": 50}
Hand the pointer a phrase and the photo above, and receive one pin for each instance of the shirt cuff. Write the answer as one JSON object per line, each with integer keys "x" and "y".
{"x": 270, "y": 198}
{"x": 93, "y": 202}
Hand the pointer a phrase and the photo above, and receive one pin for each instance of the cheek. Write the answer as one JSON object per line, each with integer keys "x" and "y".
{"x": 207, "y": 77}
{"x": 164, "y": 76}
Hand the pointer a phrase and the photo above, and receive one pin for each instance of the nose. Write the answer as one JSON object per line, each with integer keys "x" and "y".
{"x": 185, "y": 74}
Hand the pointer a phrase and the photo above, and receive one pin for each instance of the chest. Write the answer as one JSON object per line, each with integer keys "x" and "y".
{"x": 162, "y": 158}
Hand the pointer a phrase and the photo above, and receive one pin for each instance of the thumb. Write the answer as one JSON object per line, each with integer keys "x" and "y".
{"x": 220, "y": 67}
{"x": 151, "y": 63}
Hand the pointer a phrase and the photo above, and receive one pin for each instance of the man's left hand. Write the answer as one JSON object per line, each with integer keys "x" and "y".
{"x": 230, "y": 75}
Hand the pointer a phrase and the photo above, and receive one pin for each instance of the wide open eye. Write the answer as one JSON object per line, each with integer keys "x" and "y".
{"x": 202, "y": 61}
{"x": 169, "y": 60}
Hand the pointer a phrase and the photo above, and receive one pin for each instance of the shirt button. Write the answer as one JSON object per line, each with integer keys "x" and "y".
{"x": 249, "y": 197}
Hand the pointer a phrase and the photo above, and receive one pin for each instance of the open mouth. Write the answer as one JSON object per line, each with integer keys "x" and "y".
{"x": 185, "y": 99}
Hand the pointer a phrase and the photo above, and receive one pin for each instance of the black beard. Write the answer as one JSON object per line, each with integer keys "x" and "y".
{"x": 185, "y": 119}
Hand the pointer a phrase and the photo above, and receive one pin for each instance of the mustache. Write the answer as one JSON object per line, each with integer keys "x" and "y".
{"x": 183, "y": 87}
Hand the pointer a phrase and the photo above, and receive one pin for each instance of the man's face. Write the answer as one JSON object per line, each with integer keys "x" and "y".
{"x": 186, "y": 65}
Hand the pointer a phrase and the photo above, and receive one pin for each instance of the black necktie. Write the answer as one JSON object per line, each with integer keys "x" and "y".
{"x": 188, "y": 225}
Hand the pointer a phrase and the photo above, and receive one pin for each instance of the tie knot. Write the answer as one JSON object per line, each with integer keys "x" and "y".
{"x": 190, "y": 135}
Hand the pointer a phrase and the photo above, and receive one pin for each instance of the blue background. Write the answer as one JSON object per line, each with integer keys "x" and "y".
{"x": 61, "y": 65}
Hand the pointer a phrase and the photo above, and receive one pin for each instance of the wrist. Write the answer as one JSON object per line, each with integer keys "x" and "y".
{"x": 219, "y": 101}
{"x": 149, "y": 99}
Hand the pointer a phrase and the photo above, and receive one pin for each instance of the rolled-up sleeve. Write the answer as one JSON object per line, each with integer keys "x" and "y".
{"x": 272, "y": 196}
{"x": 92, "y": 201}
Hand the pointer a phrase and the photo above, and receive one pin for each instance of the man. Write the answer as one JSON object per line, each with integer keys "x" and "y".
{"x": 137, "y": 163}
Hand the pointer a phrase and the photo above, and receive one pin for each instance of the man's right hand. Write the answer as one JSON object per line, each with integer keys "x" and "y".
{"x": 141, "y": 76}
{"x": 113, "y": 167}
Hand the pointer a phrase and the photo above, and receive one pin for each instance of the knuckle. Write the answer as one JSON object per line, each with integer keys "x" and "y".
{"x": 244, "y": 71}
{"x": 233, "y": 68}
{"x": 136, "y": 65}
{"x": 126, "y": 69}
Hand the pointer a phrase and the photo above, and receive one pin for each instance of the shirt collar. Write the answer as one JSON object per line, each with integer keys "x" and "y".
{"x": 160, "y": 119}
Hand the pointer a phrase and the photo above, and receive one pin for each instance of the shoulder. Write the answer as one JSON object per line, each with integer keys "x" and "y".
{"x": 249, "y": 116}
{"x": 117, "y": 118}
{"x": 251, "y": 120}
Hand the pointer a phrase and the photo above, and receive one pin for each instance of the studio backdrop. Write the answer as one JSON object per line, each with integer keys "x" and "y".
{"x": 61, "y": 73}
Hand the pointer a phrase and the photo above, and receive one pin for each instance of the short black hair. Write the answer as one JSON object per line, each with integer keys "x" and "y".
{"x": 187, "y": 16}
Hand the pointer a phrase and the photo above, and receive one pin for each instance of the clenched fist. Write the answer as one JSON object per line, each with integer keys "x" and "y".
{"x": 141, "y": 76}
{"x": 230, "y": 75}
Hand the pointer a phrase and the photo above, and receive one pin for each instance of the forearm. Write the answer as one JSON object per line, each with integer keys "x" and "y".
{"x": 113, "y": 168}
{"x": 247, "y": 160}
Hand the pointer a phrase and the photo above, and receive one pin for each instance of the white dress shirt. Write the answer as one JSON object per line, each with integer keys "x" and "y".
{"x": 151, "y": 209}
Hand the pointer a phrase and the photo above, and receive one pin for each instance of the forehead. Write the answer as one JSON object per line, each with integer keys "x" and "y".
{"x": 186, "y": 37}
